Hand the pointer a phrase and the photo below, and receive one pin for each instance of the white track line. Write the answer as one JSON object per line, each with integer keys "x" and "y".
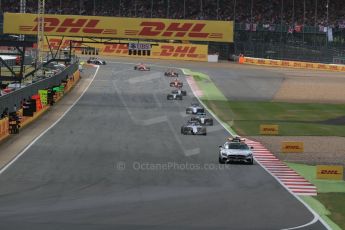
{"x": 316, "y": 216}
{"x": 50, "y": 127}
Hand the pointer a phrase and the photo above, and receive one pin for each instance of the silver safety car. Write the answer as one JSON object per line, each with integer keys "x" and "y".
{"x": 235, "y": 150}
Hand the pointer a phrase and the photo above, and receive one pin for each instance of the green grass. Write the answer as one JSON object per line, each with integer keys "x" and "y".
{"x": 335, "y": 203}
{"x": 294, "y": 119}
{"x": 323, "y": 186}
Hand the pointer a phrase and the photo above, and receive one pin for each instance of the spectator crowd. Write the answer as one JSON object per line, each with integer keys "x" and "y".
{"x": 265, "y": 12}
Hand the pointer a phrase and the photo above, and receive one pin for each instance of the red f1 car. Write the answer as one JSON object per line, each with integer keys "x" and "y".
{"x": 176, "y": 83}
{"x": 141, "y": 67}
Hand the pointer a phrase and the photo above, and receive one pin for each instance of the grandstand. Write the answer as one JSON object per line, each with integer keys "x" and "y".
{"x": 310, "y": 30}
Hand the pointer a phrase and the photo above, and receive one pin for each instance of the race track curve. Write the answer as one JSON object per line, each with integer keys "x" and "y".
{"x": 117, "y": 160}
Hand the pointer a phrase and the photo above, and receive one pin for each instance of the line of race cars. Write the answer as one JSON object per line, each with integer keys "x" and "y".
{"x": 233, "y": 150}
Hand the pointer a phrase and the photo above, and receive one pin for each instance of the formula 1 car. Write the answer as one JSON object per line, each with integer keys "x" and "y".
{"x": 142, "y": 67}
{"x": 96, "y": 61}
{"x": 195, "y": 108}
{"x": 174, "y": 96}
{"x": 176, "y": 83}
{"x": 193, "y": 128}
{"x": 170, "y": 73}
{"x": 179, "y": 91}
{"x": 235, "y": 150}
{"x": 202, "y": 119}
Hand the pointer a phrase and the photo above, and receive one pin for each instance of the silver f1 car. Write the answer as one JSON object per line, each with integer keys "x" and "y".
{"x": 195, "y": 108}
{"x": 142, "y": 67}
{"x": 179, "y": 91}
{"x": 235, "y": 150}
{"x": 202, "y": 119}
{"x": 193, "y": 128}
{"x": 174, "y": 96}
{"x": 96, "y": 61}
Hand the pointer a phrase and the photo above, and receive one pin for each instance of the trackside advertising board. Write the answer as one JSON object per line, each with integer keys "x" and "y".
{"x": 269, "y": 129}
{"x": 330, "y": 172}
{"x": 293, "y": 64}
{"x": 168, "y": 51}
{"x": 116, "y": 27}
{"x": 292, "y": 147}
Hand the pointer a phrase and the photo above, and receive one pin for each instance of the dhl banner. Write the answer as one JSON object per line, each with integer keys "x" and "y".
{"x": 331, "y": 172}
{"x": 293, "y": 64}
{"x": 169, "y": 51}
{"x": 292, "y": 147}
{"x": 269, "y": 129}
{"x": 116, "y": 27}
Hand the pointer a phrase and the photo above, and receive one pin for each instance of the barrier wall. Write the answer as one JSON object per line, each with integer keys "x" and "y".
{"x": 292, "y": 64}
{"x": 167, "y": 51}
{"x": 4, "y": 132}
{"x": 41, "y": 107}
{"x": 15, "y": 97}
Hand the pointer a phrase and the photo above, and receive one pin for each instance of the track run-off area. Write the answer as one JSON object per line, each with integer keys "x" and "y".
{"x": 116, "y": 160}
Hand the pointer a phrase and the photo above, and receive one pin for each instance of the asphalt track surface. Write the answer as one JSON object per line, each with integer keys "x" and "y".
{"x": 84, "y": 172}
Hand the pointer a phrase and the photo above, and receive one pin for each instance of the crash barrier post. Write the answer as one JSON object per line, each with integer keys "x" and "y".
{"x": 269, "y": 129}
{"x": 329, "y": 172}
{"x": 292, "y": 147}
{"x": 4, "y": 128}
{"x": 293, "y": 64}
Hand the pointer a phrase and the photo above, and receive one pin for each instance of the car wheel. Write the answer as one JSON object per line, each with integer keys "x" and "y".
{"x": 221, "y": 161}
{"x": 251, "y": 162}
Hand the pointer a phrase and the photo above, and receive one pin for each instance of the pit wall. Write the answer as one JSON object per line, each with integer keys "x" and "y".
{"x": 41, "y": 108}
{"x": 291, "y": 64}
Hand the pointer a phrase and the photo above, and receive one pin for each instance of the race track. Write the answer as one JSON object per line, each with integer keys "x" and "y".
{"x": 84, "y": 172}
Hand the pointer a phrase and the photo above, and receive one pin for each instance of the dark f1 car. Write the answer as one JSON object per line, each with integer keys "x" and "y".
{"x": 202, "y": 119}
{"x": 170, "y": 73}
{"x": 174, "y": 96}
{"x": 195, "y": 108}
{"x": 179, "y": 91}
{"x": 193, "y": 128}
{"x": 176, "y": 83}
{"x": 142, "y": 67}
{"x": 96, "y": 61}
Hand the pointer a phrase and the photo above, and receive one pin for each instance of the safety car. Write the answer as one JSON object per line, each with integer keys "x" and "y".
{"x": 235, "y": 150}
